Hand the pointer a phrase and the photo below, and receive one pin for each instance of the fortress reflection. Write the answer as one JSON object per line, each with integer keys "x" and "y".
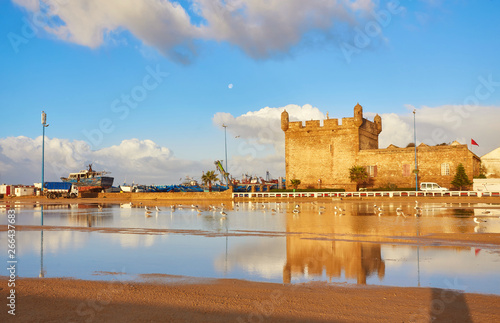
{"x": 326, "y": 243}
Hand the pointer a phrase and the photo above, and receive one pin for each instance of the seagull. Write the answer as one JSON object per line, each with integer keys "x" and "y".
{"x": 127, "y": 206}
{"x": 146, "y": 208}
{"x": 478, "y": 221}
{"x": 297, "y": 206}
{"x": 172, "y": 207}
{"x": 399, "y": 212}
{"x": 417, "y": 207}
{"x": 157, "y": 209}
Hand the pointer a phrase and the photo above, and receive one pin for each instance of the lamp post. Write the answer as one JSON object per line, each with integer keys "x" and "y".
{"x": 415, "y": 144}
{"x": 225, "y": 146}
{"x": 44, "y": 125}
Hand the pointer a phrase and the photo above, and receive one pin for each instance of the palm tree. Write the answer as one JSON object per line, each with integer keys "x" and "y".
{"x": 209, "y": 177}
{"x": 295, "y": 183}
{"x": 358, "y": 174}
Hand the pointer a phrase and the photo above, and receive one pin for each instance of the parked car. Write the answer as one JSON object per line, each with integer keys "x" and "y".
{"x": 432, "y": 187}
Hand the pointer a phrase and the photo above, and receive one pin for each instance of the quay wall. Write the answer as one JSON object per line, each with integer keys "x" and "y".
{"x": 226, "y": 195}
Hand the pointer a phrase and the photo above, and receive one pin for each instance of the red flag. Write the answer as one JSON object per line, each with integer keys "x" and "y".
{"x": 472, "y": 142}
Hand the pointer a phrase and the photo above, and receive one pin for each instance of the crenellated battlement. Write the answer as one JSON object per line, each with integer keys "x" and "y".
{"x": 349, "y": 123}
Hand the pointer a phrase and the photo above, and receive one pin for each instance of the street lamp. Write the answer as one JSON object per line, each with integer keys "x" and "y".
{"x": 225, "y": 145}
{"x": 415, "y": 144}
{"x": 44, "y": 125}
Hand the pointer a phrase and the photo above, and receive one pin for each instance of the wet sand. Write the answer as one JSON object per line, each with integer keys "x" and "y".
{"x": 67, "y": 300}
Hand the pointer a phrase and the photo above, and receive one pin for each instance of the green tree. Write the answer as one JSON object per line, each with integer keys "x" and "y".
{"x": 358, "y": 174}
{"x": 208, "y": 178}
{"x": 461, "y": 179}
{"x": 295, "y": 183}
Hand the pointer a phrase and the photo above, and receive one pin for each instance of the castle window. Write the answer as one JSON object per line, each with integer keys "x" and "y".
{"x": 445, "y": 169}
{"x": 406, "y": 170}
{"x": 371, "y": 170}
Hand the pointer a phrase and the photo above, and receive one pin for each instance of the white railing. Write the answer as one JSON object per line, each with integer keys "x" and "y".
{"x": 364, "y": 194}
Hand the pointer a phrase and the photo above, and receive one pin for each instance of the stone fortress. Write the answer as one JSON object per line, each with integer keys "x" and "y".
{"x": 321, "y": 154}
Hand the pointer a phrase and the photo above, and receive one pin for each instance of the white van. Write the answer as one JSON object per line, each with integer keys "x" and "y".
{"x": 432, "y": 187}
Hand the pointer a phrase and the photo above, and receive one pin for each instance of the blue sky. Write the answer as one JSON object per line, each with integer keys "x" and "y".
{"x": 78, "y": 66}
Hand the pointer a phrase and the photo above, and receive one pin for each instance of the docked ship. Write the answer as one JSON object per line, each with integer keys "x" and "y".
{"x": 90, "y": 180}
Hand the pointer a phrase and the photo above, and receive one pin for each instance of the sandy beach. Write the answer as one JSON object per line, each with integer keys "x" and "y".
{"x": 67, "y": 300}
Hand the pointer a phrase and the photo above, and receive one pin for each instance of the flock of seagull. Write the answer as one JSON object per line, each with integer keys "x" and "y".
{"x": 173, "y": 207}
{"x": 277, "y": 209}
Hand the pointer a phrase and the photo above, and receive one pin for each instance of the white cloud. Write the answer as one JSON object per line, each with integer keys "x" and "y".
{"x": 261, "y": 142}
{"x": 266, "y": 27}
{"x": 261, "y": 28}
{"x": 143, "y": 161}
{"x": 264, "y": 125}
{"x": 443, "y": 124}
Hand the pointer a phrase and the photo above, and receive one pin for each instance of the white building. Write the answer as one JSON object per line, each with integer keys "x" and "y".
{"x": 492, "y": 163}
{"x": 24, "y": 190}
{"x": 6, "y": 190}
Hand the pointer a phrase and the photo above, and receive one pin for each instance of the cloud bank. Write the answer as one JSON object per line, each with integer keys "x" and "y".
{"x": 259, "y": 148}
{"x": 261, "y": 28}
{"x": 141, "y": 160}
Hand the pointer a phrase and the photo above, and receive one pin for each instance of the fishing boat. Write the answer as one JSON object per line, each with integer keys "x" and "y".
{"x": 90, "y": 180}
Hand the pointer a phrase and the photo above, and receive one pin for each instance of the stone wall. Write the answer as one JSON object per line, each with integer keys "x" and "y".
{"x": 390, "y": 164}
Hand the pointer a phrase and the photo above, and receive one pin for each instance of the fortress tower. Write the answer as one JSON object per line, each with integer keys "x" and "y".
{"x": 321, "y": 155}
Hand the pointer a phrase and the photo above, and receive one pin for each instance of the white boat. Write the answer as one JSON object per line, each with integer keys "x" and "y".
{"x": 134, "y": 188}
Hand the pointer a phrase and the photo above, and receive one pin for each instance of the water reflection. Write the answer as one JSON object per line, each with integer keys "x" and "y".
{"x": 354, "y": 260}
{"x": 263, "y": 242}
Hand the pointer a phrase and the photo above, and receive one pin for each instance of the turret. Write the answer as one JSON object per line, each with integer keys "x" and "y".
{"x": 378, "y": 123}
{"x": 358, "y": 115}
{"x": 284, "y": 120}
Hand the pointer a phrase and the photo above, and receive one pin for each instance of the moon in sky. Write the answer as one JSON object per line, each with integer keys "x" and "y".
{"x": 230, "y": 86}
